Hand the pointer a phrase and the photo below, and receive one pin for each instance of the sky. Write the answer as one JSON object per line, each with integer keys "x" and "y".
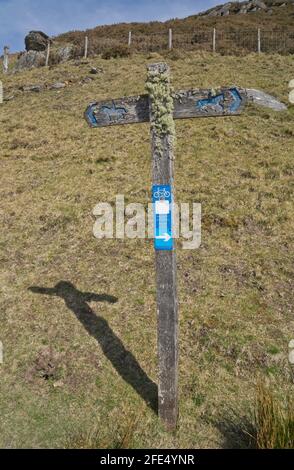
{"x": 18, "y": 17}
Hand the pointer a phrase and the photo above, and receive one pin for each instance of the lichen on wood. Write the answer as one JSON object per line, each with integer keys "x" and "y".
{"x": 162, "y": 103}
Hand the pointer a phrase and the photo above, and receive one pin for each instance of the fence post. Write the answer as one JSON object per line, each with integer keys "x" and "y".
{"x": 214, "y": 41}
{"x": 130, "y": 39}
{"x": 259, "y": 41}
{"x": 47, "y": 53}
{"x": 170, "y": 38}
{"x": 86, "y": 47}
{"x": 5, "y": 59}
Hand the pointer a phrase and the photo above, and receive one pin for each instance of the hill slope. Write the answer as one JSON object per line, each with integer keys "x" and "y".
{"x": 196, "y": 30}
{"x": 79, "y": 367}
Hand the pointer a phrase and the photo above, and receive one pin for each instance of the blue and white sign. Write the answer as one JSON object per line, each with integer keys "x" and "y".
{"x": 162, "y": 209}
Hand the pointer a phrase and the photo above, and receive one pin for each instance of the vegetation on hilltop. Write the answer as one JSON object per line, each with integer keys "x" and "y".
{"x": 189, "y": 32}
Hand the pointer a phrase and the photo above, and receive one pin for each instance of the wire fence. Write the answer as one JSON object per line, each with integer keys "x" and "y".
{"x": 224, "y": 42}
{"x": 229, "y": 42}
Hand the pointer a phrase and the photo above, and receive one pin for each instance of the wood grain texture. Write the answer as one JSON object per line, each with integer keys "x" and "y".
{"x": 187, "y": 104}
{"x": 167, "y": 304}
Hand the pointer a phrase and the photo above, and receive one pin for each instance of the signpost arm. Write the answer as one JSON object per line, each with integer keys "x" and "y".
{"x": 162, "y": 136}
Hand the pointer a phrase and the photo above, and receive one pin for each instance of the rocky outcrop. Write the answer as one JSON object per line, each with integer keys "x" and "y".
{"x": 239, "y": 8}
{"x": 65, "y": 53}
{"x": 29, "y": 60}
{"x": 36, "y": 41}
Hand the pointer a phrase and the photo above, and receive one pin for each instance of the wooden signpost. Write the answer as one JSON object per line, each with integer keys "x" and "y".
{"x": 160, "y": 108}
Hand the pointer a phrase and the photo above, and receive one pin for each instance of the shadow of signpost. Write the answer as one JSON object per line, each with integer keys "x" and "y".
{"x": 122, "y": 360}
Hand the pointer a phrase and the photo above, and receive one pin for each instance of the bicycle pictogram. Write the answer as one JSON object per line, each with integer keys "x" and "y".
{"x": 161, "y": 194}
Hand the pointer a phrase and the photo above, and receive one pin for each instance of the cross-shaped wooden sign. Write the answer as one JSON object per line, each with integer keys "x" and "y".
{"x": 161, "y": 107}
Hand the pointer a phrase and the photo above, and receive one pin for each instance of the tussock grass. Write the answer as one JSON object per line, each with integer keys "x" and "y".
{"x": 274, "y": 420}
{"x": 122, "y": 437}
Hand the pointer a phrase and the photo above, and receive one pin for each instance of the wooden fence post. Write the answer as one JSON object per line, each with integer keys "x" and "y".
{"x": 214, "y": 41}
{"x": 86, "y": 47}
{"x": 258, "y": 41}
{"x": 5, "y": 59}
{"x": 47, "y": 53}
{"x": 130, "y": 39}
{"x": 165, "y": 260}
{"x": 170, "y": 38}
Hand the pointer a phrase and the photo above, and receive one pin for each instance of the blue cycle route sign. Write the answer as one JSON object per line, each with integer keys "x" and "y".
{"x": 162, "y": 210}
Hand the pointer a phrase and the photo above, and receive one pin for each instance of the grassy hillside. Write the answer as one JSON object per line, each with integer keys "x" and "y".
{"x": 153, "y": 35}
{"x": 78, "y": 368}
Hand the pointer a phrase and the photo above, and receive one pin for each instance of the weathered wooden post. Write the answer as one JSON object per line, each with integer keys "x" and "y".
{"x": 47, "y": 53}
{"x": 259, "y": 41}
{"x": 162, "y": 143}
{"x": 170, "y": 39}
{"x": 1, "y": 92}
{"x": 214, "y": 40}
{"x": 130, "y": 39}
{"x": 86, "y": 47}
{"x": 5, "y": 59}
{"x": 160, "y": 108}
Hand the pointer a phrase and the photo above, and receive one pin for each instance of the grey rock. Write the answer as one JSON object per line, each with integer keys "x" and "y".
{"x": 86, "y": 80}
{"x": 34, "y": 88}
{"x": 212, "y": 13}
{"x": 95, "y": 70}
{"x": 29, "y": 60}
{"x": 243, "y": 10}
{"x": 263, "y": 99}
{"x": 9, "y": 98}
{"x": 57, "y": 86}
{"x": 36, "y": 41}
{"x": 65, "y": 53}
{"x": 259, "y": 4}
{"x": 232, "y": 8}
{"x": 225, "y": 10}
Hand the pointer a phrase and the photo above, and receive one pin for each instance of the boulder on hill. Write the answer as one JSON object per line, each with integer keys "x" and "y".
{"x": 36, "y": 41}
{"x": 29, "y": 60}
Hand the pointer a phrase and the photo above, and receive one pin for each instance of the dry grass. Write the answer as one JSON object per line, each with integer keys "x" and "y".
{"x": 122, "y": 438}
{"x": 274, "y": 421}
{"x": 236, "y": 291}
